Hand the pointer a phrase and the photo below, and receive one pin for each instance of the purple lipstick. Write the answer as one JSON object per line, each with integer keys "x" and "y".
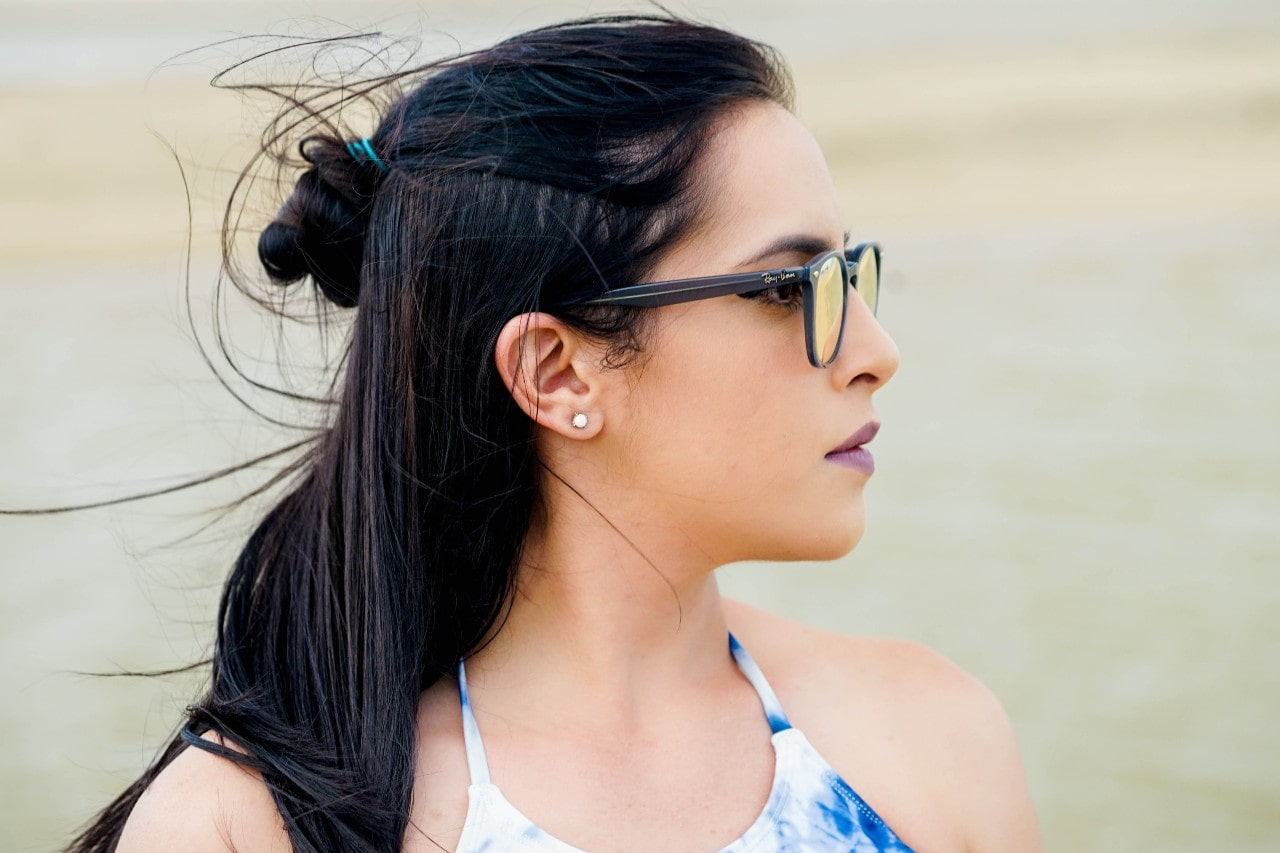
{"x": 852, "y": 454}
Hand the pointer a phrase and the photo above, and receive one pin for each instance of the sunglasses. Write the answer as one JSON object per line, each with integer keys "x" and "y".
{"x": 824, "y": 283}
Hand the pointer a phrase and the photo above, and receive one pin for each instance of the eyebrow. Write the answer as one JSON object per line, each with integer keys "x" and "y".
{"x": 799, "y": 244}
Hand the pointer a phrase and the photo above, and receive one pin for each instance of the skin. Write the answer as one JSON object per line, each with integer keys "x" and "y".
{"x": 611, "y": 712}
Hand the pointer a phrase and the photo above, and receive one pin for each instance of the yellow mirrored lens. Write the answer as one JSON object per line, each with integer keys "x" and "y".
{"x": 828, "y": 308}
{"x": 868, "y": 281}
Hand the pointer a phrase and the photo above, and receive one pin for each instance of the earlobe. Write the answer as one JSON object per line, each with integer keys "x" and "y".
{"x": 550, "y": 373}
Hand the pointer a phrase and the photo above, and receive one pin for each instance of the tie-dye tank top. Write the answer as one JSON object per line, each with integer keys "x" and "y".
{"x": 810, "y": 808}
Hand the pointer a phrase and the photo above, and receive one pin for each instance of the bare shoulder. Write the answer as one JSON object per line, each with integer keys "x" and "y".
{"x": 796, "y": 649}
{"x": 204, "y": 803}
{"x": 846, "y": 663}
{"x": 923, "y": 741}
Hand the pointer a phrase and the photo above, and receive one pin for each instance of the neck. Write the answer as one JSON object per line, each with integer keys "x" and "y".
{"x": 597, "y": 622}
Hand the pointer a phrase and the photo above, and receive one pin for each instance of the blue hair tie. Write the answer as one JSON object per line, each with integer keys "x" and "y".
{"x": 361, "y": 151}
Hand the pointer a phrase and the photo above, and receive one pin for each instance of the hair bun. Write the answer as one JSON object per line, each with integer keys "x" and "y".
{"x": 319, "y": 231}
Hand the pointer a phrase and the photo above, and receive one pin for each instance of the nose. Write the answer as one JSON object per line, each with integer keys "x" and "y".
{"x": 867, "y": 354}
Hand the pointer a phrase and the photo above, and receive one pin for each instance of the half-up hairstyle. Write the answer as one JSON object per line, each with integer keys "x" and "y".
{"x": 550, "y": 168}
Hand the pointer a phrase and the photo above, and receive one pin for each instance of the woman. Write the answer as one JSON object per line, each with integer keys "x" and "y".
{"x": 609, "y": 335}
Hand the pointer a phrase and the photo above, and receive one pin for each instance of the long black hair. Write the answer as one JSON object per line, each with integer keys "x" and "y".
{"x": 553, "y": 166}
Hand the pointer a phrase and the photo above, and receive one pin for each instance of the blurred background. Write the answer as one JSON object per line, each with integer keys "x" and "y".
{"x": 1077, "y": 492}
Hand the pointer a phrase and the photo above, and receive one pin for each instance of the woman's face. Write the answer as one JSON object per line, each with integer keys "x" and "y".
{"x": 726, "y": 425}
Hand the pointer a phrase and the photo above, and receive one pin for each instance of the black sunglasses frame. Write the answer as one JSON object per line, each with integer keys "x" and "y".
{"x": 657, "y": 293}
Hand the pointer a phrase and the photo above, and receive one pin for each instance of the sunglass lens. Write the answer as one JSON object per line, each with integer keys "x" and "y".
{"x": 828, "y": 309}
{"x": 868, "y": 281}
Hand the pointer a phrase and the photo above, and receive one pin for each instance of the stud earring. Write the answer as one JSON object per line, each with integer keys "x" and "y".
{"x": 580, "y": 420}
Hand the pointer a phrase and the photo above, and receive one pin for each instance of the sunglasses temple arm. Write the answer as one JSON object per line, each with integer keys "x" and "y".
{"x": 685, "y": 290}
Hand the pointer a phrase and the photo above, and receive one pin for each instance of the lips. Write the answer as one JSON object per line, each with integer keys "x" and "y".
{"x": 851, "y": 454}
{"x": 859, "y": 438}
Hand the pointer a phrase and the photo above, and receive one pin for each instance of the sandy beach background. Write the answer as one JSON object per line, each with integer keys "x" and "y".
{"x": 1077, "y": 490}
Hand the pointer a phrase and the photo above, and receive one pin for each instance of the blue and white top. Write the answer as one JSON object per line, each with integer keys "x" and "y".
{"x": 810, "y": 808}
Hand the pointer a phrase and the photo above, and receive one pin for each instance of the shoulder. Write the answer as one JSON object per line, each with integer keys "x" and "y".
{"x": 204, "y": 803}
{"x": 844, "y": 669}
{"x": 923, "y": 741}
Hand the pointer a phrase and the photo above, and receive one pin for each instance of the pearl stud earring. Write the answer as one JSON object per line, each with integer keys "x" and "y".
{"x": 580, "y": 420}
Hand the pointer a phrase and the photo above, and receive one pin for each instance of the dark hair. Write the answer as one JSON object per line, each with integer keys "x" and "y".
{"x": 547, "y": 169}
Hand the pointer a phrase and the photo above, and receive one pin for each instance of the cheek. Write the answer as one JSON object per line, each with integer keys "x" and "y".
{"x": 723, "y": 408}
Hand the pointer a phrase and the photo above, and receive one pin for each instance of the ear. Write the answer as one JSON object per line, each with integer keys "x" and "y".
{"x": 551, "y": 372}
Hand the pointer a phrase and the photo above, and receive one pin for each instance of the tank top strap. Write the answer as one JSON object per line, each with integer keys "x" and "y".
{"x": 778, "y": 721}
{"x": 477, "y": 764}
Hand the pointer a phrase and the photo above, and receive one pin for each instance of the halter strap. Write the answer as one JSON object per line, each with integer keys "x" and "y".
{"x": 477, "y": 764}
{"x": 778, "y": 721}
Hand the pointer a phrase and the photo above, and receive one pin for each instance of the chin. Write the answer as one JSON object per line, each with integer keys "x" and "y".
{"x": 847, "y": 529}
{"x": 840, "y": 531}
{"x": 827, "y": 538}
{"x": 810, "y": 533}
{"x": 840, "y": 543}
